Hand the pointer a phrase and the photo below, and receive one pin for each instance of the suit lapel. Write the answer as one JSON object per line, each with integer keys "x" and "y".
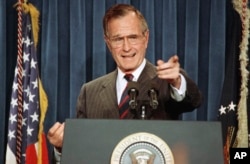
{"x": 147, "y": 75}
{"x": 108, "y": 93}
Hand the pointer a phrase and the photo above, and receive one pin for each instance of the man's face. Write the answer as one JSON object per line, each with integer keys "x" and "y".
{"x": 127, "y": 42}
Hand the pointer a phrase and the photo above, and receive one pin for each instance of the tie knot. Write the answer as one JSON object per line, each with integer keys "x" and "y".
{"x": 129, "y": 77}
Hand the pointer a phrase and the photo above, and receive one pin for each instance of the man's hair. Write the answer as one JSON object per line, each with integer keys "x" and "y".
{"x": 121, "y": 10}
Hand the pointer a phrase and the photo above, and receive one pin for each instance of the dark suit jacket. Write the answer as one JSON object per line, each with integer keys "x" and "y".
{"x": 97, "y": 99}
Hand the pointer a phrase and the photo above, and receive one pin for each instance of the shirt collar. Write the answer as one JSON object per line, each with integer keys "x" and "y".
{"x": 136, "y": 73}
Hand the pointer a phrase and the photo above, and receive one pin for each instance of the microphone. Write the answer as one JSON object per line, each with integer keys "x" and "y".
{"x": 133, "y": 93}
{"x": 153, "y": 94}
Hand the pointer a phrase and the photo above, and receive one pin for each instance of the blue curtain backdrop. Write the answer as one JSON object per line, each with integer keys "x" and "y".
{"x": 72, "y": 50}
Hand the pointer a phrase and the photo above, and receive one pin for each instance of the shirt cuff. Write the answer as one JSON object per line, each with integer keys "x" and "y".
{"x": 179, "y": 94}
{"x": 57, "y": 156}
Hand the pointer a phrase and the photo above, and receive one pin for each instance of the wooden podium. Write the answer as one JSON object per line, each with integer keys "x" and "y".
{"x": 93, "y": 141}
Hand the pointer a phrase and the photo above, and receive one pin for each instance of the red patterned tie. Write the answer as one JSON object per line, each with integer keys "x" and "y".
{"x": 124, "y": 105}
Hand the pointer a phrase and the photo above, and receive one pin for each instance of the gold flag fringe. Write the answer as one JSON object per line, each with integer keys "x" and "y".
{"x": 43, "y": 109}
{"x": 34, "y": 13}
{"x": 241, "y": 6}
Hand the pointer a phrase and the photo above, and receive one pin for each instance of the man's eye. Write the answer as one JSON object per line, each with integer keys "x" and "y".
{"x": 133, "y": 37}
{"x": 117, "y": 39}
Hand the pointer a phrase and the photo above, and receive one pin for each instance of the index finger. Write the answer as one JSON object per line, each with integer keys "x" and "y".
{"x": 173, "y": 59}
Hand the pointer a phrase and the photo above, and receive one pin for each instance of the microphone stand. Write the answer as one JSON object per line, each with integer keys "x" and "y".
{"x": 143, "y": 110}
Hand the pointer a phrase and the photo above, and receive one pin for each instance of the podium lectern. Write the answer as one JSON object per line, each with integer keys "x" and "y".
{"x": 100, "y": 141}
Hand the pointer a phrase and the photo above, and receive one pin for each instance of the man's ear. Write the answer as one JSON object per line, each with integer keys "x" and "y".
{"x": 106, "y": 41}
{"x": 147, "y": 38}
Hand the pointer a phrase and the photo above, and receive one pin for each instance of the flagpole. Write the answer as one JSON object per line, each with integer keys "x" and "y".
{"x": 20, "y": 87}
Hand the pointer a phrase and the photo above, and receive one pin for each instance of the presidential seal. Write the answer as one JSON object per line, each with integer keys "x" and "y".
{"x": 142, "y": 148}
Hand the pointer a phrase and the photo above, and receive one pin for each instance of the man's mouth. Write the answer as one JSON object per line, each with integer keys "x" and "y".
{"x": 129, "y": 56}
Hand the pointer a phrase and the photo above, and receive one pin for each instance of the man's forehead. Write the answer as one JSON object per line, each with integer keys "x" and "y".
{"x": 124, "y": 27}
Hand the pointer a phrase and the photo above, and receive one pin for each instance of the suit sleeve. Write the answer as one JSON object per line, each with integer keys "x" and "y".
{"x": 191, "y": 101}
{"x": 81, "y": 103}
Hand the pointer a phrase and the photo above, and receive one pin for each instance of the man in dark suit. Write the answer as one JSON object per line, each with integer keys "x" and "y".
{"x": 126, "y": 34}
{"x": 98, "y": 99}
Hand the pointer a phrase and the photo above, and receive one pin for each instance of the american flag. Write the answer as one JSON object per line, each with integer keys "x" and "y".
{"x": 232, "y": 108}
{"x": 33, "y": 145}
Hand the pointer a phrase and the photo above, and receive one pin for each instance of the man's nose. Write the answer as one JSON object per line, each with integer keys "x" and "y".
{"x": 126, "y": 45}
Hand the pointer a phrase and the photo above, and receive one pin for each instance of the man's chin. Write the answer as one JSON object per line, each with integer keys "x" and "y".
{"x": 128, "y": 69}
